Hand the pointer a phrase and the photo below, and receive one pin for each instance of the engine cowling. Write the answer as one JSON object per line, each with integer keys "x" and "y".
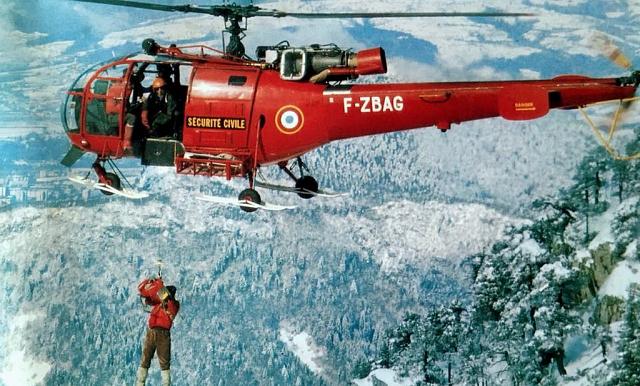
{"x": 323, "y": 63}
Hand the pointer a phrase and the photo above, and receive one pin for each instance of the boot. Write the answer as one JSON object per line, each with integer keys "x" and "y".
{"x": 166, "y": 377}
{"x": 126, "y": 141}
{"x": 141, "y": 376}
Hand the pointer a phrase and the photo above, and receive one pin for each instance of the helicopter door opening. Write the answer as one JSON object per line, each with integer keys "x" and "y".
{"x": 160, "y": 147}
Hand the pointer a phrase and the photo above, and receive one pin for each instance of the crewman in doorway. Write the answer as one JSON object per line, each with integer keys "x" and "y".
{"x": 160, "y": 109}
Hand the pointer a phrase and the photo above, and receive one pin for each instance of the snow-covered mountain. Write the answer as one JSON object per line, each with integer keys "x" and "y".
{"x": 335, "y": 274}
{"x": 554, "y": 301}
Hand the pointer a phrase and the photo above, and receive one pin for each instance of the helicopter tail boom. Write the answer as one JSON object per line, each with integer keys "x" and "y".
{"x": 375, "y": 109}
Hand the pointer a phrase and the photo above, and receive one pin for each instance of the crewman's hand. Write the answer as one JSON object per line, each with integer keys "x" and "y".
{"x": 144, "y": 117}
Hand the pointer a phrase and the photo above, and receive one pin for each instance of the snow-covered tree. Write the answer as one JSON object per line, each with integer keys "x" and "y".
{"x": 627, "y": 366}
{"x": 626, "y": 224}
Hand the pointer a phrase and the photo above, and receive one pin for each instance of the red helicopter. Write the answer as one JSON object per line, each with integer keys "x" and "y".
{"x": 232, "y": 115}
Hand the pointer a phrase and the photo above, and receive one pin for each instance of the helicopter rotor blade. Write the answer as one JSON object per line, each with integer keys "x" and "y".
{"x": 604, "y": 44}
{"x": 371, "y": 15}
{"x": 252, "y": 11}
{"x": 153, "y": 6}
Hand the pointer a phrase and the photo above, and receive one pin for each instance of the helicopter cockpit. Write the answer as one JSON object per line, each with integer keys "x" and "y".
{"x": 105, "y": 97}
{"x": 93, "y": 102}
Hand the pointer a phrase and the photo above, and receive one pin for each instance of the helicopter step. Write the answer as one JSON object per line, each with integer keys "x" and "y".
{"x": 245, "y": 204}
{"x": 108, "y": 189}
{"x": 220, "y": 165}
{"x": 299, "y": 191}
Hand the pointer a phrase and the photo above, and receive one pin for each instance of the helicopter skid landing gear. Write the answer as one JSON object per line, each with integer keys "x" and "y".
{"x": 306, "y": 186}
{"x": 245, "y": 201}
{"x": 249, "y": 200}
{"x": 109, "y": 183}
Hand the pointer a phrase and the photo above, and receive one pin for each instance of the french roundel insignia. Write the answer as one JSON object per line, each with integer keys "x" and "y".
{"x": 289, "y": 119}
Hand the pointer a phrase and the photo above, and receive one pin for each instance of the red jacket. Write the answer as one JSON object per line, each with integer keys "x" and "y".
{"x": 162, "y": 313}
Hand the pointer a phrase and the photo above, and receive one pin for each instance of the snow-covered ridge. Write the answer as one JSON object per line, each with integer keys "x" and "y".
{"x": 618, "y": 283}
{"x": 303, "y": 346}
{"x": 409, "y": 233}
{"x": 395, "y": 234}
{"x": 624, "y": 275}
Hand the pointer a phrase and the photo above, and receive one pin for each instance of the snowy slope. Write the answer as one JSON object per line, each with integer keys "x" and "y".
{"x": 98, "y": 252}
{"x": 618, "y": 283}
{"x": 624, "y": 274}
{"x": 303, "y": 346}
{"x": 20, "y": 367}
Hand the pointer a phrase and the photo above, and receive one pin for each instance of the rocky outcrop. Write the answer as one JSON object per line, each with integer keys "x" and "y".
{"x": 602, "y": 264}
{"x": 608, "y": 309}
{"x": 593, "y": 272}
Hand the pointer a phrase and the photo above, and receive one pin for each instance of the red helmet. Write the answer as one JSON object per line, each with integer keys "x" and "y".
{"x": 158, "y": 83}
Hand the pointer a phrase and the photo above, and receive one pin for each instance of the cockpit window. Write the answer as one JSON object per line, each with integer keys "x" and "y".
{"x": 72, "y": 103}
{"x": 99, "y": 87}
{"x": 84, "y": 77}
{"x": 102, "y": 102}
{"x": 72, "y": 106}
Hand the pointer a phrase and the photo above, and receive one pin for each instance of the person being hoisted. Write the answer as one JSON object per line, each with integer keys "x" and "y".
{"x": 164, "y": 309}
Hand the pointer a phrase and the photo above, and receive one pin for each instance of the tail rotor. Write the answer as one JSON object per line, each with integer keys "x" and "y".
{"x": 604, "y": 44}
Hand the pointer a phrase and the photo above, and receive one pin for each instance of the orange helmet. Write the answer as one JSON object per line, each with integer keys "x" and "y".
{"x": 158, "y": 83}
